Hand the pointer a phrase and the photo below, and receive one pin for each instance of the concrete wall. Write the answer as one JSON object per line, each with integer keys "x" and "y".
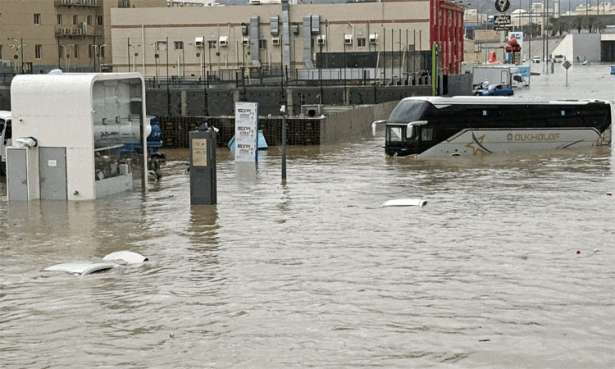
{"x": 189, "y": 102}
{"x": 348, "y": 123}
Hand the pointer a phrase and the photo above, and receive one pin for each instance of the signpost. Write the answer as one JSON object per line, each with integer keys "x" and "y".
{"x": 502, "y": 5}
{"x": 501, "y": 20}
{"x": 246, "y": 131}
{"x": 566, "y": 64}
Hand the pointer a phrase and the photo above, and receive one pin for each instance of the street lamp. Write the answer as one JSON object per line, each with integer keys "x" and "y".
{"x": 18, "y": 46}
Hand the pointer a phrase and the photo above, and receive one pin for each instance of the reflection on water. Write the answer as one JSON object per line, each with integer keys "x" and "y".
{"x": 316, "y": 273}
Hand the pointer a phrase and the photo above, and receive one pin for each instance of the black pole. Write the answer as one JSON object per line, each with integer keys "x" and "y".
{"x": 384, "y": 56}
{"x": 283, "y": 110}
{"x": 345, "y": 71}
{"x": 284, "y": 148}
{"x": 320, "y": 73}
{"x": 407, "y": 61}
{"x": 21, "y": 51}
{"x": 392, "y": 53}
{"x": 128, "y": 52}
{"x": 414, "y": 56}
{"x": 205, "y": 82}
{"x": 168, "y": 92}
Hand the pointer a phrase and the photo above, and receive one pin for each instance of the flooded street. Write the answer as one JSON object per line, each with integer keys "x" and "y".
{"x": 317, "y": 274}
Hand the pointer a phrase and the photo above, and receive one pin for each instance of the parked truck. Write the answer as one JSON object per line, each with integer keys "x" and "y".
{"x": 5, "y": 138}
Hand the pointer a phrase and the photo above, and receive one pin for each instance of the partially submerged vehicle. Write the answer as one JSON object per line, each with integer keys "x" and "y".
{"x": 439, "y": 127}
{"x": 494, "y": 90}
{"x": 5, "y": 137}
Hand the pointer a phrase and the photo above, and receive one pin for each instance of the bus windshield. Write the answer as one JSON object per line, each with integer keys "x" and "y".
{"x": 408, "y": 111}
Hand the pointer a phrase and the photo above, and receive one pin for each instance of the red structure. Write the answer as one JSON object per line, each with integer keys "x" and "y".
{"x": 446, "y": 29}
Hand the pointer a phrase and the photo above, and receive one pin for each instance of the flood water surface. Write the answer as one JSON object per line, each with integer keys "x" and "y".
{"x": 317, "y": 274}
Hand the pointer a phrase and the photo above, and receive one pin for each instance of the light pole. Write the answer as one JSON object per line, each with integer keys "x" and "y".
{"x": 18, "y": 46}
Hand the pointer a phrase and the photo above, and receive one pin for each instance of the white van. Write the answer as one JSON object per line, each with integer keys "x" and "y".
{"x": 5, "y": 137}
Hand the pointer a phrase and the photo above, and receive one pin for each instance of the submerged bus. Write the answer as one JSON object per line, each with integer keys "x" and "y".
{"x": 432, "y": 127}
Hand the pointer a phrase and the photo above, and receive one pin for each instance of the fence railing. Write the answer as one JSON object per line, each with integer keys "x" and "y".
{"x": 237, "y": 78}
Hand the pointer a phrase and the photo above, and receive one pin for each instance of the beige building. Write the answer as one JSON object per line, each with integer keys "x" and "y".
{"x": 38, "y": 35}
{"x": 201, "y": 39}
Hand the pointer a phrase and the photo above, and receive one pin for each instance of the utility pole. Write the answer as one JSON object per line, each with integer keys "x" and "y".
{"x": 168, "y": 91}
{"x": 128, "y": 53}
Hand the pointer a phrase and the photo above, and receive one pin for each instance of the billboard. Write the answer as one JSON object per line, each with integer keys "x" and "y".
{"x": 246, "y": 131}
{"x": 518, "y": 36}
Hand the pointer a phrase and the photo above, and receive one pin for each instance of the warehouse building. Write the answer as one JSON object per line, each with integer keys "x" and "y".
{"x": 196, "y": 42}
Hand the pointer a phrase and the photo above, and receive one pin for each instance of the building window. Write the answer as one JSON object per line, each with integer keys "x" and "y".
{"x": 212, "y": 44}
{"x": 89, "y": 20}
{"x": 262, "y": 44}
{"x": 99, "y": 20}
{"x": 59, "y": 16}
{"x": 61, "y": 51}
{"x": 37, "y": 18}
{"x": 0, "y": 51}
{"x": 361, "y": 42}
{"x": 76, "y": 48}
{"x": 75, "y": 19}
{"x": 38, "y": 50}
{"x": 102, "y": 51}
{"x": 90, "y": 51}
{"x": 179, "y": 45}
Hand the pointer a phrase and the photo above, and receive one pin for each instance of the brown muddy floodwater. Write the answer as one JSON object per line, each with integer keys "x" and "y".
{"x": 317, "y": 274}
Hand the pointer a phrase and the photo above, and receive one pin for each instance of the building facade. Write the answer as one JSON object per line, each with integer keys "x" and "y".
{"x": 191, "y": 42}
{"x": 39, "y": 35}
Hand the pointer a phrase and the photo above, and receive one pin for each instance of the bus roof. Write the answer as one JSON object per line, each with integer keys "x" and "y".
{"x": 497, "y": 100}
{"x": 5, "y": 114}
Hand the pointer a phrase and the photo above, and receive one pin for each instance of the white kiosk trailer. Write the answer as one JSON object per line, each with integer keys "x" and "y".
{"x": 76, "y": 136}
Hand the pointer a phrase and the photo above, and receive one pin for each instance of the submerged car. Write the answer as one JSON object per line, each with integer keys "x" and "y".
{"x": 495, "y": 90}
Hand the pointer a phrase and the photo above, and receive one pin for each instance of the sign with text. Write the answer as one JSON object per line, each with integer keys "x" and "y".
{"x": 518, "y": 36}
{"x": 502, "y": 20}
{"x": 246, "y": 131}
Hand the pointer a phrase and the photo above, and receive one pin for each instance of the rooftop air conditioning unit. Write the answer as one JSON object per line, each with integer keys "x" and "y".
{"x": 373, "y": 38}
{"x": 275, "y": 41}
{"x": 198, "y": 42}
{"x": 348, "y": 39}
{"x": 322, "y": 40}
{"x": 223, "y": 41}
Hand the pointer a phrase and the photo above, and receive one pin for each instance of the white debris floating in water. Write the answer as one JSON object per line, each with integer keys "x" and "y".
{"x": 405, "y": 202}
{"x": 82, "y": 268}
{"x": 125, "y": 257}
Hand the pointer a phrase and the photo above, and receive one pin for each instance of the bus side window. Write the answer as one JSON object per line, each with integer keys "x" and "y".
{"x": 426, "y": 133}
{"x": 8, "y": 133}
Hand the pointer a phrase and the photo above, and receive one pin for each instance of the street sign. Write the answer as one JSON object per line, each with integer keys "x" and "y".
{"x": 246, "y": 131}
{"x": 502, "y": 5}
{"x": 502, "y": 28}
{"x": 501, "y": 20}
{"x": 566, "y": 64}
